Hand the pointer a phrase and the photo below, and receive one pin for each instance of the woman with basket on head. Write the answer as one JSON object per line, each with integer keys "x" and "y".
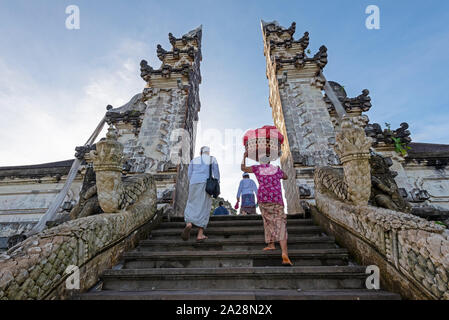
{"x": 263, "y": 145}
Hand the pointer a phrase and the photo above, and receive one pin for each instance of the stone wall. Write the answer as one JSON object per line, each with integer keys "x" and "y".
{"x": 427, "y": 169}
{"x": 26, "y": 192}
{"x": 36, "y": 268}
{"x": 412, "y": 253}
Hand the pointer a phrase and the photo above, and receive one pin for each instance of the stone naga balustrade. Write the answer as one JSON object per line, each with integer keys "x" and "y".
{"x": 36, "y": 268}
{"x": 353, "y": 148}
{"x": 412, "y": 253}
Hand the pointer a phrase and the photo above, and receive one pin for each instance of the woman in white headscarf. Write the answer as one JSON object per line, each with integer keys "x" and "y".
{"x": 199, "y": 202}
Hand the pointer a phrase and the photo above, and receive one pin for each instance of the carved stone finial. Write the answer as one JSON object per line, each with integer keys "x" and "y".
{"x": 320, "y": 57}
{"x": 292, "y": 29}
{"x": 172, "y": 39}
{"x": 385, "y": 137}
{"x": 353, "y": 106}
{"x": 305, "y": 40}
{"x": 107, "y": 163}
{"x": 145, "y": 70}
{"x": 109, "y": 153}
{"x": 161, "y": 53}
{"x": 353, "y": 148}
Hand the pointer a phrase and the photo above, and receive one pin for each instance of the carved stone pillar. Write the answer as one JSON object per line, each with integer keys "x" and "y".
{"x": 108, "y": 162}
{"x": 353, "y": 148}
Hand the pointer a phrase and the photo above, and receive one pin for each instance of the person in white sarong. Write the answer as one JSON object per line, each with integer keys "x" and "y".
{"x": 199, "y": 203}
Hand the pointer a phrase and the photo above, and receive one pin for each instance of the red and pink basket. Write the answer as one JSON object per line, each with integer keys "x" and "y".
{"x": 263, "y": 144}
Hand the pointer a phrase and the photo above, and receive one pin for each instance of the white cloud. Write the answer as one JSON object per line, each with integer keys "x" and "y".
{"x": 42, "y": 124}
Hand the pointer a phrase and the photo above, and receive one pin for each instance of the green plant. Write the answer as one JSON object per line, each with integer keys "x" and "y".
{"x": 400, "y": 147}
{"x": 441, "y": 223}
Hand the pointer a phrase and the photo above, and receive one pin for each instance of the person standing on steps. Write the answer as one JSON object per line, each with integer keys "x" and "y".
{"x": 271, "y": 204}
{"x": 220, "y": 210}
{"x": 199, "y": 202}
{"x": 247, "y": 191}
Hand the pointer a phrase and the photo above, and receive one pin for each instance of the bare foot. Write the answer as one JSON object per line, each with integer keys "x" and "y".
{"x": 271, "y": 246}
{"x": 186, "y": 233}
{"x": 286, "y": 261}
{"x": 199, "y": 239}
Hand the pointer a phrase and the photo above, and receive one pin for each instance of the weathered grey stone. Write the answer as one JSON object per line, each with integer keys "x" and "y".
{"x": 32, "y": 276}
{"x": 21, "y": 277}
{"x": 421, "y": 242}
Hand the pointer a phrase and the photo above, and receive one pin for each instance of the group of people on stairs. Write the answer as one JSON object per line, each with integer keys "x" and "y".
{"x": 269, "y": 199}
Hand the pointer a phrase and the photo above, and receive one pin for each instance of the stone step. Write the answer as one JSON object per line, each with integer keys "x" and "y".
{"x": 345, "y": 294}
{"x": 275, "y": 278}
{"x": 235, "y": 244}
{"x": 232, "y": 232}
{"x": 223, "y": 259}
{"x": 234, "y": 218}
{"x": 235, "y": 223}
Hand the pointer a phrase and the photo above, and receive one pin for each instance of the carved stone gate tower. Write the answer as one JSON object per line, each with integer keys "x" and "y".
{"x": 299, "y": 109}
{"x": 153, "y": 124}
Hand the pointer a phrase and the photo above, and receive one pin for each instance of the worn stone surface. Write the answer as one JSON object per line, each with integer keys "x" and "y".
{"x": 46, "y": 255}
{"x": 390, "y": 278}
{"x": 415, "y": 248}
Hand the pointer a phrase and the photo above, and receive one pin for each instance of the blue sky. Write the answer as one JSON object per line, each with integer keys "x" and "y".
{"x": 55, "y": 83}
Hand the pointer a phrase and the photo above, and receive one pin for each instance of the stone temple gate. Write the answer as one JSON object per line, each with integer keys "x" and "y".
{"x": 308, "y": 119}
{"x": 148, "y": 124}
{"x": 359, "y": 182}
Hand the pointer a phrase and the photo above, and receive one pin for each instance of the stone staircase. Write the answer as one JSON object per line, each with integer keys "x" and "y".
{"x": 232, "y": 265}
